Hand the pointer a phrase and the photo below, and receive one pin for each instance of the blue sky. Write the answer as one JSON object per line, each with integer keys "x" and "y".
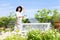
{"x": 30, "y": 6}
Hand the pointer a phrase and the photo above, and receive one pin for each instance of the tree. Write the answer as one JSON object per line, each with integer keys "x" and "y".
{"x": 43, "y": 15}
{"x": 56, "y": 16}
{"x": 25, "y": 20}
{"x": 7, "y": 21}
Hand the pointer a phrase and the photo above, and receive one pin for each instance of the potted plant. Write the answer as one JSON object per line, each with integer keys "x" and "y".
{"x": 56, "y": 19}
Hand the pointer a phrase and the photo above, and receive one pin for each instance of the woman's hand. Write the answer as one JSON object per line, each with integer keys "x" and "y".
{"x": 21, "y": 17}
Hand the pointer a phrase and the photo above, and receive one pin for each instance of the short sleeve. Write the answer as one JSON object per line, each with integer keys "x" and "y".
{"x": 18, "y": 14}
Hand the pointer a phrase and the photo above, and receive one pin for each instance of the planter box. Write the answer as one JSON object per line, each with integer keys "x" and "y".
{"x": 57, "y": 25}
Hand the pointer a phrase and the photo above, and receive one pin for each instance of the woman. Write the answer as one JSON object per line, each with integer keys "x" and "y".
{"x": 19, "y": 16}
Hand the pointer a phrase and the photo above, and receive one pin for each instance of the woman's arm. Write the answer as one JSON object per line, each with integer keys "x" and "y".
{"x": 21, "y": 16}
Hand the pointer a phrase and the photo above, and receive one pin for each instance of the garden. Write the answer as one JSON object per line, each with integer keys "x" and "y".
{"x": 42, "y": 16}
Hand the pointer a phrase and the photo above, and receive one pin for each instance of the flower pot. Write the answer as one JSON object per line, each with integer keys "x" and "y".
{"x": 57, "y": 25}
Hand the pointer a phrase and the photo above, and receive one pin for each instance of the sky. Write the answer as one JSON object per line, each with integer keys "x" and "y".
{"x": 30, "y": 6}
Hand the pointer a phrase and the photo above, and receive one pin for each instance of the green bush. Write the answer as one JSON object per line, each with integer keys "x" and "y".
{"x": 25, "y": 20}
{"x": 46, "y": 35}
{"x": 42, "y": 16}
{"x": 34, "y": 35}
{"x": 15, "y": 37}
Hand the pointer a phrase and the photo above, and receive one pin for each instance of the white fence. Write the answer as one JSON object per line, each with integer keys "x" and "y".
{"x": 35, "y": 26}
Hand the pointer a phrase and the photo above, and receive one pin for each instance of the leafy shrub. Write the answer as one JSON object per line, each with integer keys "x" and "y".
{"x": 14, "y": 37}
{"x": 34, "y": 35}
{"x": 50, "y": 35}
{"x": 25, "y": 20}
{"x": 42, "y": 16}
{"x": 46, "y": 35}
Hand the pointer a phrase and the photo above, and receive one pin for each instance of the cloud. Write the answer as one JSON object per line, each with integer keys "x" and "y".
{"x": 5, "y": 9}
{"x": 5, "y": 4}
{"x": 54, "y": 7}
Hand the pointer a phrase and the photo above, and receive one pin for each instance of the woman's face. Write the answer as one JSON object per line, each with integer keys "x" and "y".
{"x": 19, "y": 9}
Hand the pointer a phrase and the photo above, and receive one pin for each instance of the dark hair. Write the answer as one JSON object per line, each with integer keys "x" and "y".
{"x": 18, "y": 8}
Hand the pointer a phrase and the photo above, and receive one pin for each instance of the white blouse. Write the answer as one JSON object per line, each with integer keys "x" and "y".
{"x": 19, "y": 17}
{"x": 18, "y": 24}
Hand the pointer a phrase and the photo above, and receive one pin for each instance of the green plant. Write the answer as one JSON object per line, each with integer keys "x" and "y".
{"x": 34, "y": 35}
{"x": 56, "y": 16}
{"x": 24, "y": 20}
{"x": 50, "y": 35}
{"x": 15, "y": 37}
{"x": 1, "y": 29}
{"x": 43, "y": 16}
{"x": 7, "y": 21}
{"x": 46, "y": 35}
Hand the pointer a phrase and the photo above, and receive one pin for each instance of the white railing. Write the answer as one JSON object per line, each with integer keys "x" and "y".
{"x": 35, "y": 26}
